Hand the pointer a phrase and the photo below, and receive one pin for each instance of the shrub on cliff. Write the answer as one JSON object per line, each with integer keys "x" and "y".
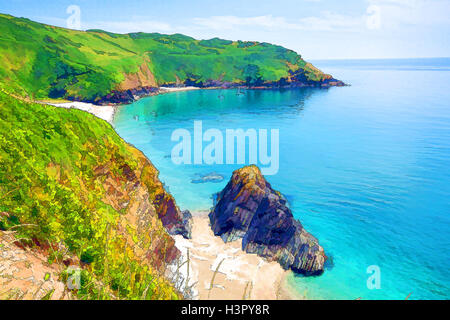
{"x": 71, "y": 186}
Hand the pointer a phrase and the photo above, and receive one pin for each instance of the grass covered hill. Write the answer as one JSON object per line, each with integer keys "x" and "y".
{"x": 71, "y": 187}
{"x": 41, "y": 61}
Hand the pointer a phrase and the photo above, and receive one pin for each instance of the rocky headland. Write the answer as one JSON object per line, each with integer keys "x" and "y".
{"x": 250, "y": 209}
{"x": 103, "y": 68}
{"x": 296, "y": 79}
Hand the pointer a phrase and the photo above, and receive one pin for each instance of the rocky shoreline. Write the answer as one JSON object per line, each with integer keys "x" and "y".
{"x": 296, "y": 80}
{"x": 248, "y": 245}
{"x": 250, "y": 209}
{"x": 106, "y": 107}
{"x": 248, "y": 215}
{"x": 222, "y": 271}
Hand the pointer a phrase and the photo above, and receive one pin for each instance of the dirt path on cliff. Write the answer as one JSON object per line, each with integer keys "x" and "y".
{"x": 25, "y": 274}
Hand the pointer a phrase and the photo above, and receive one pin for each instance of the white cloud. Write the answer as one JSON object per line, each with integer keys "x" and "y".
{"x": 131, "y": 26}
{"x": 395, "y": 16}
{"x": 397, "y": 13}
{"x": 136, "y": 24}
{"x": 395, "y": 2}
{"x": 230, "y": 22}
{"x": 327, "y": 21}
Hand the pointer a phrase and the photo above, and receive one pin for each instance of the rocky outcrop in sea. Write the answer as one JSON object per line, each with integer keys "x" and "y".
{"x": 250, "y": 209}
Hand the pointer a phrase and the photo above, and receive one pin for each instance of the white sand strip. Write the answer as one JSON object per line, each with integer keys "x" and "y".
{"x": 239, "y": 275}
{"x": 176, "y": 89}
{"x": 103, "y": 112}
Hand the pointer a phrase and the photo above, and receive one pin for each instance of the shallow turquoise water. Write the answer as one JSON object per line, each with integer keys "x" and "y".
{"x": 365, "y": 168}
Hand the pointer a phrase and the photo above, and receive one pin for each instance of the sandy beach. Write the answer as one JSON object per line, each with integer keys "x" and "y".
{"x": 103, "y": 112}
{"x": 176, "y": 89}
{"x": 239, "y": 275}
{"x": 107, "y": 112}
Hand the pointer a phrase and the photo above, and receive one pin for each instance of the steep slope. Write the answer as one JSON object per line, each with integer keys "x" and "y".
{"x": 41, "y": 62}
{"x": 70, "y": 186}
{"x": 27, "y": 275}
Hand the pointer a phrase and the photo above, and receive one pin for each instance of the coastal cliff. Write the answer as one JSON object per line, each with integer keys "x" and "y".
{"x": 250, "y": 209}
{"x": 74, "y": 191}
{"x": 41, "y": 62}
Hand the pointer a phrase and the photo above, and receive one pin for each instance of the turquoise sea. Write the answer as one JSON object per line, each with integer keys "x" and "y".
{"x": 366, "y": 168}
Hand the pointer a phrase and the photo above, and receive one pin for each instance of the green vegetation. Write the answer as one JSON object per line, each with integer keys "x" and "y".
{"x": 41, "y": 61}
{"x": 69, "y": 185}
{"x": 65, "y": 176}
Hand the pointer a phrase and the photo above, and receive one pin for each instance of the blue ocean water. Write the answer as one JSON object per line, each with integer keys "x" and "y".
{"x": 366, "y": 168}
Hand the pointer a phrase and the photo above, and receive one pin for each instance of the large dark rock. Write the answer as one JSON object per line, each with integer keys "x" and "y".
{"x": 250, "y": 209}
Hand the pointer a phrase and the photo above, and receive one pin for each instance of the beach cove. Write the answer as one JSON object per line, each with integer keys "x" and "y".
{"x": 217, "y": 270}
{"x": 340, "y": 170}
{"x": 320, "y": 117}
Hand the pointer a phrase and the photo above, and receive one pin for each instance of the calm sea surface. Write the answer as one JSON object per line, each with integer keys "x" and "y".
{"x": 366, "y": 168}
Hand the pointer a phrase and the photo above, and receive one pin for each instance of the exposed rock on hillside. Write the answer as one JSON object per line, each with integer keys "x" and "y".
{"x": 249, "y": 208}
{"x": 71, "y": 185}
{"x": 142, "y": 191}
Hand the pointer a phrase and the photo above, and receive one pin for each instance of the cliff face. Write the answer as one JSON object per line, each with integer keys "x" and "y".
{"x": 250, "y": 209}
{"x": 72, "y": 188}
{"x": 139, "y": 192}
{"x": 143, "y": 182}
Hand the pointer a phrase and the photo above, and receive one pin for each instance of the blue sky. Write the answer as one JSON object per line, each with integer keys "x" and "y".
{"x": 317, "y": 29}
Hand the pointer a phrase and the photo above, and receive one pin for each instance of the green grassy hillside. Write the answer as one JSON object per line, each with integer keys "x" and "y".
{"x": 41, "y": 61}
{"x": 70, "y": 186}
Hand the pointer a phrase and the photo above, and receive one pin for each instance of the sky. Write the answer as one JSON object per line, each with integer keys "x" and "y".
{"x": 316, "y": 29}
